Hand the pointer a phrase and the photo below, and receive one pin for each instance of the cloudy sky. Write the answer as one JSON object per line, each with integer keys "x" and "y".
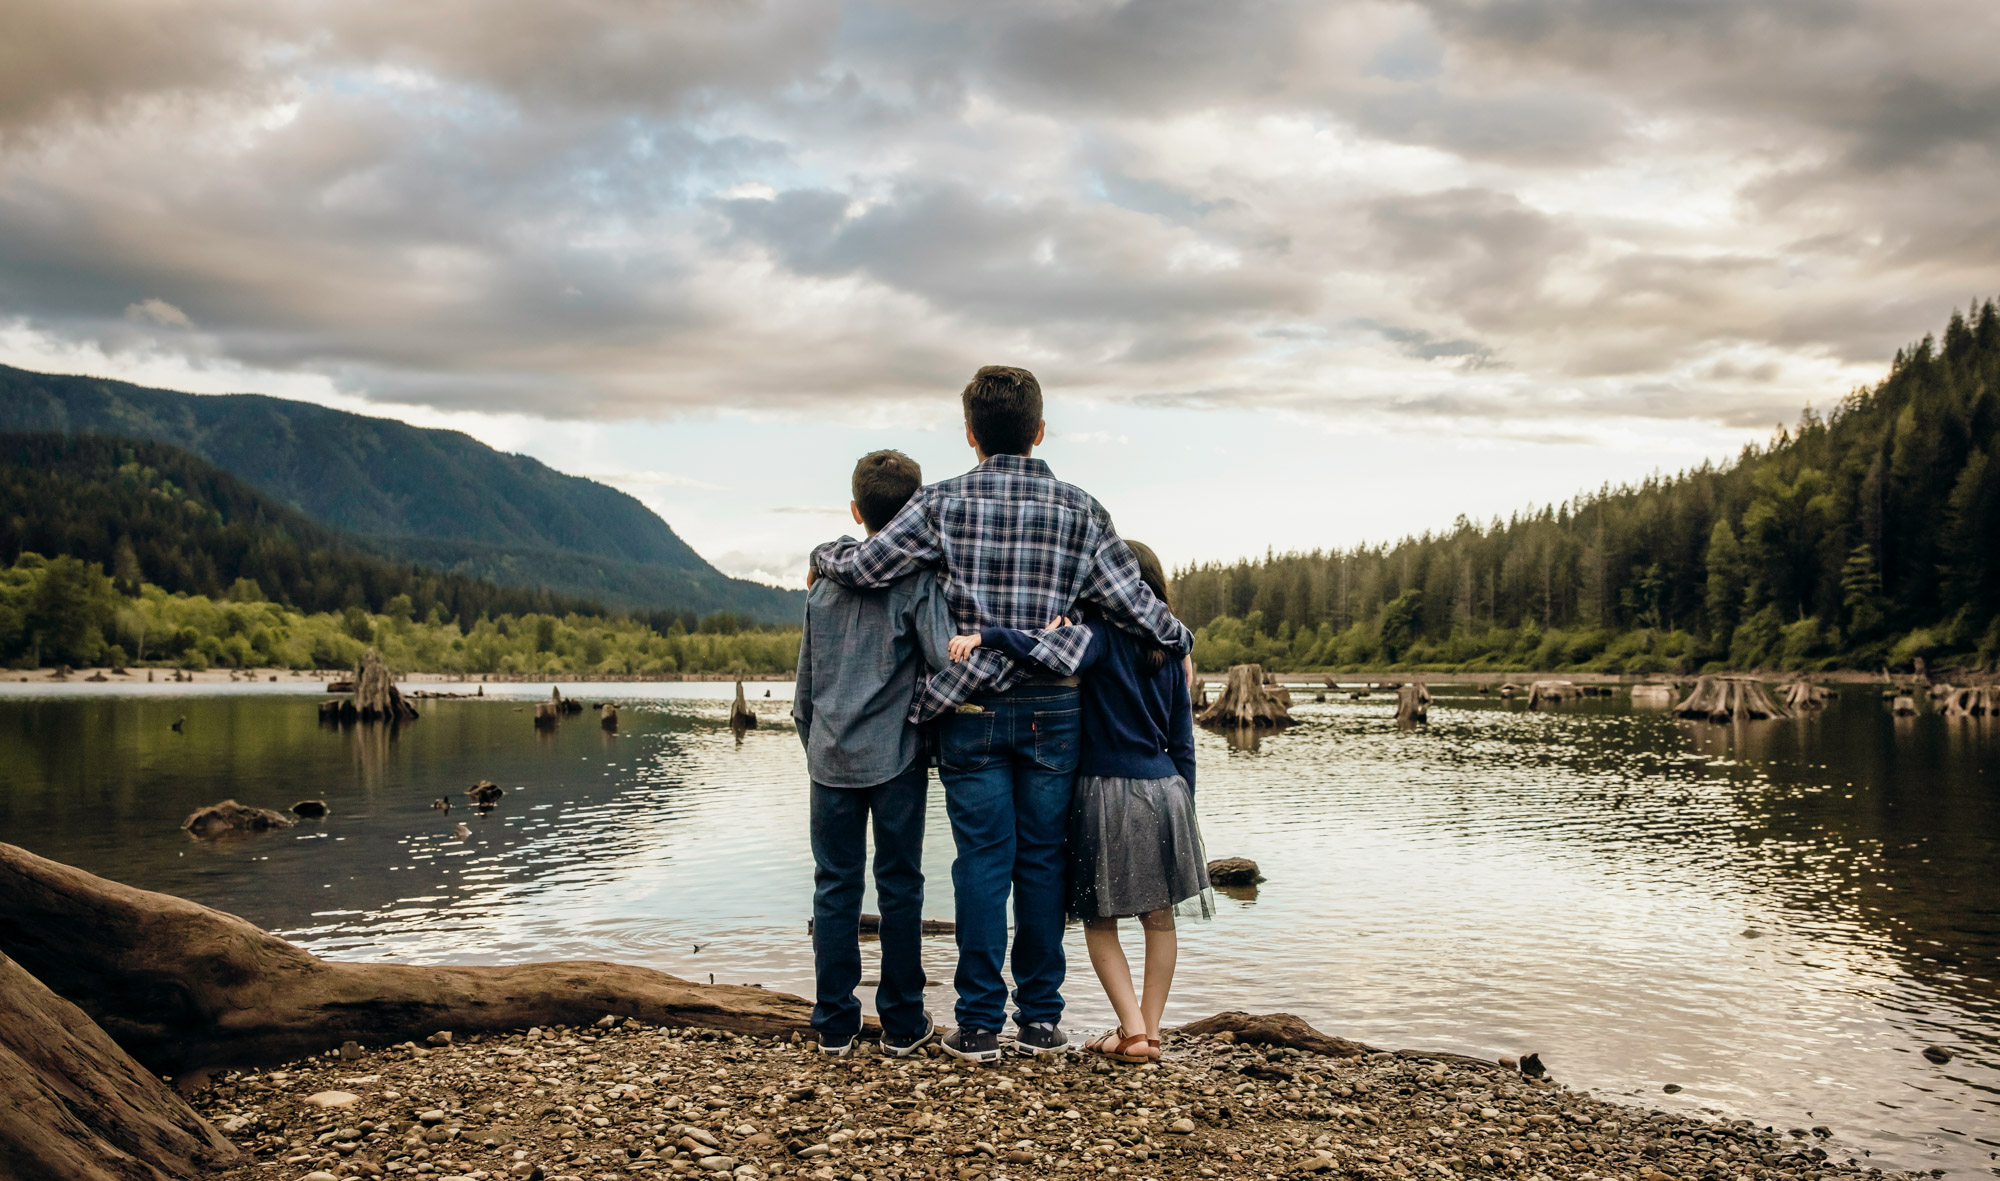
{"x": 1292, "y": 275}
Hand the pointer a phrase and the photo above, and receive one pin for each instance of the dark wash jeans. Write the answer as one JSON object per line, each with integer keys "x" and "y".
{"x": 1009, "y": 772}
{"x": 840, "y": 821}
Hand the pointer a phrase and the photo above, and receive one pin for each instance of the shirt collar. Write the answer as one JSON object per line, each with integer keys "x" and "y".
{"x": 1020, "y": 465}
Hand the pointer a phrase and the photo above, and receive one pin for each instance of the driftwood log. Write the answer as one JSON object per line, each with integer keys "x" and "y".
{"x": 741, "y": 716}
{"x": 376, "y": 697}
{"x": 182, "y": 987}
{"x": 76, "y": 1107}
{"x": 1413, "y": 703}
{"x": 1543, "y": 694}
{"x": 1730, "y": 696}
{"x": 1244, "y": 702}
{"x": 1277, "y": 1029}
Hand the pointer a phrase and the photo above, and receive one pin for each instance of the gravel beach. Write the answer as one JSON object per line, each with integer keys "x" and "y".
{"x": 621, "y": 1100}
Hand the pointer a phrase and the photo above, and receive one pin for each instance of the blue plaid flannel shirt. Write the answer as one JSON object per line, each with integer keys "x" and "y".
{"x": 1018, "y": 548}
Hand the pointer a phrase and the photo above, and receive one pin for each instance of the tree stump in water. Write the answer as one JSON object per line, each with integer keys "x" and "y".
{"x": 741, "y": 717}
{"x": 1904, "y": 706}
{"x": 1244, "y": 702}
{"x": 1653, "y": 696}
{"x": 1413, "y": 703}
{"x": 1973, "y": 701}
{"x": 1803, "y": 694}
{"x": 607, "y": 717}
{"x": 376, "y": 697}
{"x": 1729, "y": 697}
{"x": 1543, "y": 694}
{"x": 1200, "y": 695}
{"x": 1509, "y": 689}
{"x": 546, "y": 713}
{"x": 182, "y": 987}
{"x": 75, "y": 1107}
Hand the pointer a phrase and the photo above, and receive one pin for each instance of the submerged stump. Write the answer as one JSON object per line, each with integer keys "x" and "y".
{"x": 607, "y": 716}
{"x": 1973, "y": 701}
{"x": 1245, "y": 703}
{"x": 1803, "y": 694}
{"x": 376, "y": 697}
{"x": 1413, "y": 703}
{"x": 1543, "y": 694}
{"x": 1728, "y": 697}
{"x": 741, "y": 716}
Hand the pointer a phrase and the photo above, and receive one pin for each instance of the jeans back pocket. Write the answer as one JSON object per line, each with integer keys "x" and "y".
{"x": 1057, "y": 738}
{"x": 966, "y": 741}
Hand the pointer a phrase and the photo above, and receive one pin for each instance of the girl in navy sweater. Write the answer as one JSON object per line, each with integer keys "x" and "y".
{"x": 1135, "y": 849}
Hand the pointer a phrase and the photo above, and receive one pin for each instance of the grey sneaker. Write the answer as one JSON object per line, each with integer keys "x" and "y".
{"x": 901, "y": 1048}
{"x": 1038, "y": 1038}
{"x": 836, "y": 1049}
{"x": 972, "y": 1045}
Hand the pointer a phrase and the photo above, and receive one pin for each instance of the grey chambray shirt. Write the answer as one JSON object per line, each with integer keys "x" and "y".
{"x": 864, "y": 655}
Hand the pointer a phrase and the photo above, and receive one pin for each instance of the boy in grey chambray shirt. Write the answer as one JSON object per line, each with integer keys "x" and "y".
{"x": 864, "y": 657}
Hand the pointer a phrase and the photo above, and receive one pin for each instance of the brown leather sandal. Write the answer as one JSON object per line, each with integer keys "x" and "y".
{"x": 1117, "y": 1045}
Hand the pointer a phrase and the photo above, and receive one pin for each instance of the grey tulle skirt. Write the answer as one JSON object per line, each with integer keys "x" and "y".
{"x": 1135, "y": 848}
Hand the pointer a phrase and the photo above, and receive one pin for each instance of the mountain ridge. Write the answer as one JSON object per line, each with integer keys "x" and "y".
{"x": 400, "y": 488}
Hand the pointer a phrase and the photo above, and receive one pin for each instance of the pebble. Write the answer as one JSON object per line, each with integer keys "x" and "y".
{"x": 333, "y": 1099}
{"x": 630, "y": 1102}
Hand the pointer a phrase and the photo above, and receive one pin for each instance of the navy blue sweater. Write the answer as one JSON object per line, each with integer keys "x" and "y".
{"x": 1136, "y": 724}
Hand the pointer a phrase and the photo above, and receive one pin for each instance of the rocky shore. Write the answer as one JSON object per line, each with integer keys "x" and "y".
{"x": 624, "y": 1100}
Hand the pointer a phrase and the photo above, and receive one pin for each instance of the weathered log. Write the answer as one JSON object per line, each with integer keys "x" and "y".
{"x": 871, "y": 924}
{"x": 1543, "y": 694}
{"x": 1244, "y": 702}
{"x": 376, "y": 697}
{"x": 182, "y": 987}
{"x": 607, "y": 716}
{"x": 1803, "y": 694}
{"x": 75, "y": 1107}
{"x": 741, "y": 716}
{"x": 1413, "y": 703}
{"x": 1277, "y": 1029}
{"x": 1233, "y": 871}
{"x": 1728, "y": 696}
{"x": 229, "y": 818}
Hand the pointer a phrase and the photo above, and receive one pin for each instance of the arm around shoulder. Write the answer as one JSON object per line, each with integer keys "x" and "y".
{"x": 908, "y": 542}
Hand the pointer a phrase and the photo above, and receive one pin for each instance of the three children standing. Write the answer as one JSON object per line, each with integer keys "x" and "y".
{"x": 955, "y": 611}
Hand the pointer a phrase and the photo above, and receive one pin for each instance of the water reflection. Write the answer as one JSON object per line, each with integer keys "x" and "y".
{"x": 1776, "y": 917}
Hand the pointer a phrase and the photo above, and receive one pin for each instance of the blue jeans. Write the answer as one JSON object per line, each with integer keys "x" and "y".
{"x": 1009, "y": 771}
{"x": 840, "y": 821}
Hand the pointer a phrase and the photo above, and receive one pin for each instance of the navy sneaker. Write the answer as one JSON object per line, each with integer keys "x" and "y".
{"x": 896, "y": 1047}
{"x": 972, "y": 1045}
{"x": 1040, "y": 1038}
{"x": 836, "y": 1049}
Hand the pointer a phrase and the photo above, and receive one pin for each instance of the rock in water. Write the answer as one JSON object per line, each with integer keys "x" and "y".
{"x": 1937, "y": 1054}
{"x": 1233, "y": 871}
{"x": 311, "y": 809}
{"x": 1531, "y": 1065}
{"x": 230, "y": 818}
{"x": 75, "y": 1107}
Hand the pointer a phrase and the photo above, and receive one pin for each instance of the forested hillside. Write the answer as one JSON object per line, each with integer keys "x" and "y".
{"x": 114, "y": 552}
{"x": 437, "y": 496}
{"x": 1867, "y": 536}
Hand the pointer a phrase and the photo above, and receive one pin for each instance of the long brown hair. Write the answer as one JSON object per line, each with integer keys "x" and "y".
{"x": 1152, "y": 657}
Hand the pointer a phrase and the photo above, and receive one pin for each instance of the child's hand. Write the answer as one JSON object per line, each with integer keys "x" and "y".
{"x": 1059, "y": 621}
{"x": 961, "y": 647}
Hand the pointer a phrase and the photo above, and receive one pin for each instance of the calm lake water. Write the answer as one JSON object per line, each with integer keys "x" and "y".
{"x": 1777, "y": 917}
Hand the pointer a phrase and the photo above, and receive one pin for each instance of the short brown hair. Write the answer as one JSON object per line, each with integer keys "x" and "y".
{"x": 1003, "y": 406}
{"x": 884, "y": 481}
